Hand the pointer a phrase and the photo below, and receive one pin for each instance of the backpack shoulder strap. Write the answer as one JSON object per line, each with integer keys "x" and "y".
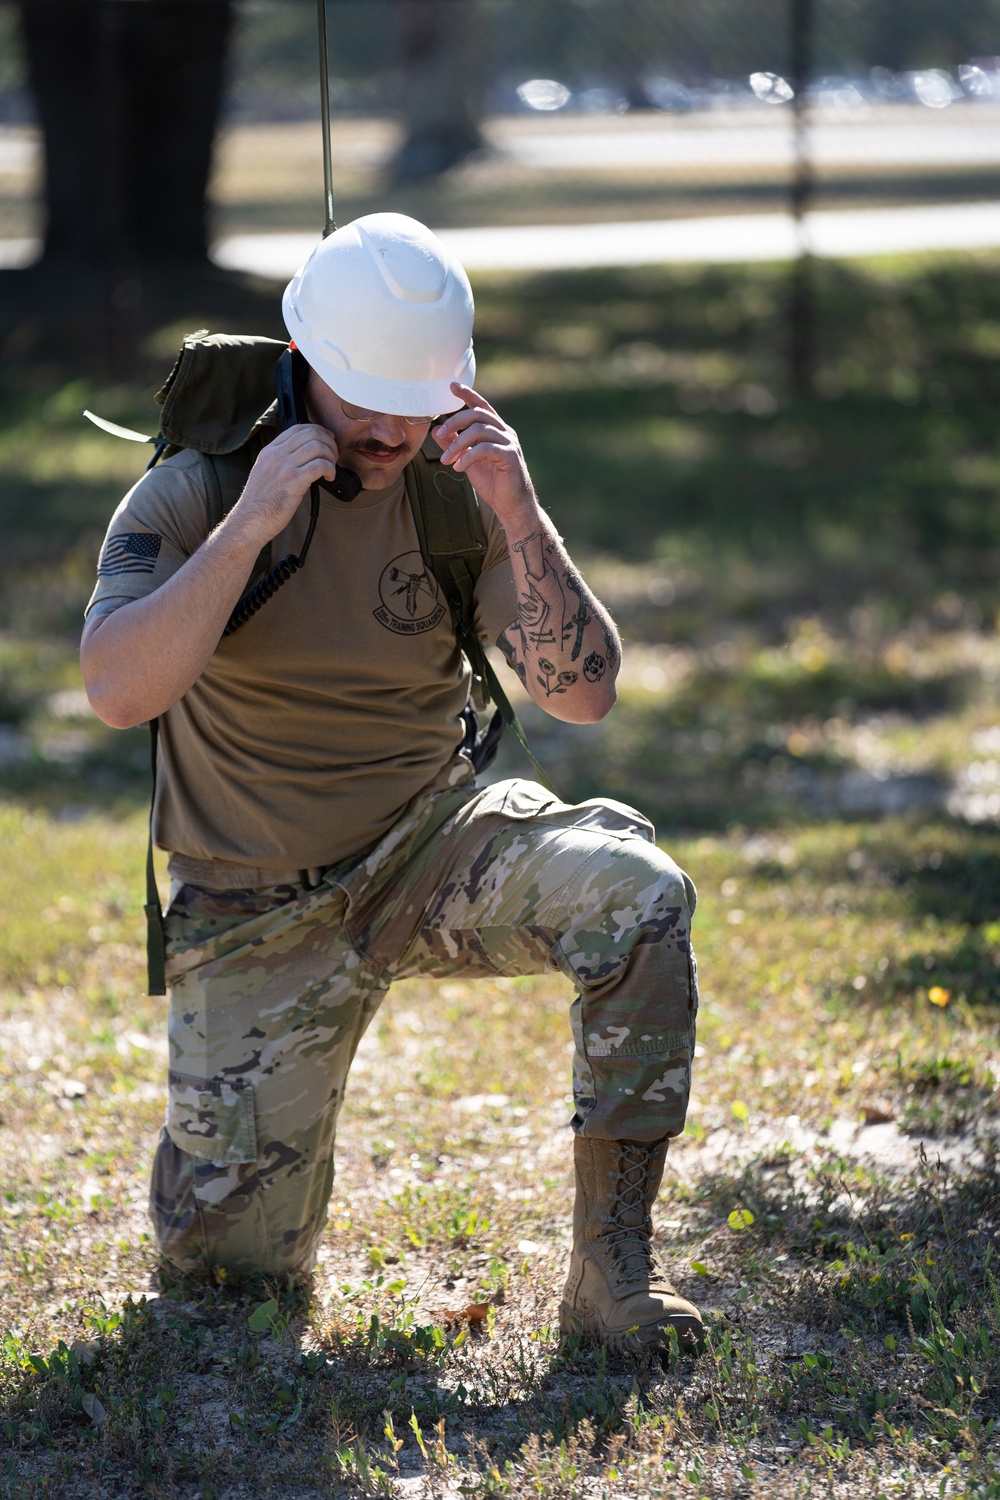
{"x": 453, "y": 545}
{"x": 225, "y": 475}
{"x": 450, "y": 532}
{"x": 214, "y": 502}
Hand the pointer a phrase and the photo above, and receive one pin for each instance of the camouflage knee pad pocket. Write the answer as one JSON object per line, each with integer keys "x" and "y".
{"x": 212, "y": 1118}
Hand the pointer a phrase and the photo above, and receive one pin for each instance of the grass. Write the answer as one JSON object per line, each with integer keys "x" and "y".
{"x": 847, "y": 1269}
{"x": 808, "y": 708}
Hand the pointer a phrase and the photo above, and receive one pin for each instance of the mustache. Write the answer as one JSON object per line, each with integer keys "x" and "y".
{"x": 372, "y": 445}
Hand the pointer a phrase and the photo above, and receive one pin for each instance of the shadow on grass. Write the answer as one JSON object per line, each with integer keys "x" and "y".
{"x": 898, "y": 1244}
{"x": 114, "y": 778}
{"x": 844, "y": 1282}
{"x": 652, "y": 407}
{"x": 676, "y": 436}
{"x": 955, "y": 883}
{"x": 963, "y": 887}
{"x": 197, "y": 1386}
{"x": 970, "y": 968}
{"x": 47, "y": 520}
{"x": 56, "y": 317}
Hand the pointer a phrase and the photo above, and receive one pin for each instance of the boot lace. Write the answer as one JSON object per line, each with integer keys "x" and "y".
{"x": 628, "y": 1235}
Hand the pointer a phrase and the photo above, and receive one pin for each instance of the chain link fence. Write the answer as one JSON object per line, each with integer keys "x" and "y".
{"x": 600, "y": 109}
{"x": 674, "y": 108}
{"x": 877, "y": 125}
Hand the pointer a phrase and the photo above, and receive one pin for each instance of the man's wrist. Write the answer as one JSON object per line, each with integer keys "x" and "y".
{"x": 522, "y": 519}
{"x": 242, "y": 530}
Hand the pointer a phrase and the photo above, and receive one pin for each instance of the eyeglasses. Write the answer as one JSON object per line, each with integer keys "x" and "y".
{"x": 362, "y": 414}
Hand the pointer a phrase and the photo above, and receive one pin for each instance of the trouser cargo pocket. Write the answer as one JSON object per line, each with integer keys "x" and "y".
{"x": 212, "y": 1118}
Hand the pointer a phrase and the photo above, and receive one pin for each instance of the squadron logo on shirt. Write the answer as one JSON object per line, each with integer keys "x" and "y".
{"x": 411, "y": 599}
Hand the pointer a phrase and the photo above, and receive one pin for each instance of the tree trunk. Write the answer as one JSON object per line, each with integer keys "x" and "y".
{"x": 128, "y": 93}
{"x": 441, "y": 92}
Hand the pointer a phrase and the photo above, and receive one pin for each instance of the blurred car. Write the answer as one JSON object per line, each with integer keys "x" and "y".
{"x": 665, "y": 94}
{"x": 724, "y": 93}
{"x": 601, "y": 101}
{"x": 980, "y": 78}
{"x": 771, "y": 88}
{"x": 933, "y": 87}
{"x": 838, "y": 93}
{"x": 544, "y": 94}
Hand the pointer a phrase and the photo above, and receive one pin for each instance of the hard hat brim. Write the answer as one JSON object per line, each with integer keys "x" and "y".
{"x": 401, "y": 398}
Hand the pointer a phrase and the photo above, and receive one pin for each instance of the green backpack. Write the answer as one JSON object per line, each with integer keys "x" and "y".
{"x": 216, "y": 401}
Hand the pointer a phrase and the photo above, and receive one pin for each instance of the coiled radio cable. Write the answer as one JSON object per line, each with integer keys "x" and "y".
{"x": 268, "y": 586}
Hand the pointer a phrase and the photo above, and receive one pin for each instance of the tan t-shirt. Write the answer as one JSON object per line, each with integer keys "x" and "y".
{"x": 315, "y": 723}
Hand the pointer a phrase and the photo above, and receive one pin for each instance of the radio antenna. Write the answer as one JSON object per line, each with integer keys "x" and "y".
{"x": 324, "y": 105}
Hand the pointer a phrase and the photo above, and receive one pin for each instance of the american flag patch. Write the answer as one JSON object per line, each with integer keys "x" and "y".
{"x": 129, "y": 552}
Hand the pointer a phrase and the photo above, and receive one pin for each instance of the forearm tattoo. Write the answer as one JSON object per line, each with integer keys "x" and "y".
{"x": 509, "y": 650}
{"x": 558, "y": 622}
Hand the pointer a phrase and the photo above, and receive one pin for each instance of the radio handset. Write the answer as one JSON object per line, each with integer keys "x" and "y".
{"x": 290, "y": 385}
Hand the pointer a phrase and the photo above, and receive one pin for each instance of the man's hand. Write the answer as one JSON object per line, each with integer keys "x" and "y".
{"x": 281, "y": 476}
{"x": 477, "y": 442}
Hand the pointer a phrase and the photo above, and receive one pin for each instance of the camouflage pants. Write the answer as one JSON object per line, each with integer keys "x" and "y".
{"x": 271, "y": 991}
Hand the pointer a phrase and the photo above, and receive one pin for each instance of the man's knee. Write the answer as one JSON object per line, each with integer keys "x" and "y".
{"x": 629, "y": 855}
{"x": 659, "y": 883}
{"x": 630, "y": 896}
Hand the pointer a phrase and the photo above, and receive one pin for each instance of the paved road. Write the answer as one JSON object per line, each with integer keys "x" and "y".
{"x": 841, "y": 233}
{"x": 750, "y": 143}
{"x": 728, "y": 237}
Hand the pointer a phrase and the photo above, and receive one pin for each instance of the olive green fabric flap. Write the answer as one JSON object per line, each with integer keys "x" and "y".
{"x": 217, "y": 391}
{"x": 450, "y": 509}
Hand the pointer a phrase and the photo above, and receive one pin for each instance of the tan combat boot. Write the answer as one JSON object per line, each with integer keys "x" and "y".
{"x": 617, "y": 1287}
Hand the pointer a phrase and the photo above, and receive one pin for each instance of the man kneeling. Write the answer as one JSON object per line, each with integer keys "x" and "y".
{"x": 317, "y": 790}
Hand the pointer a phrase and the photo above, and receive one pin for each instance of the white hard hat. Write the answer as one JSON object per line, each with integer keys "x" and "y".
{"x": 382, "y": 311}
